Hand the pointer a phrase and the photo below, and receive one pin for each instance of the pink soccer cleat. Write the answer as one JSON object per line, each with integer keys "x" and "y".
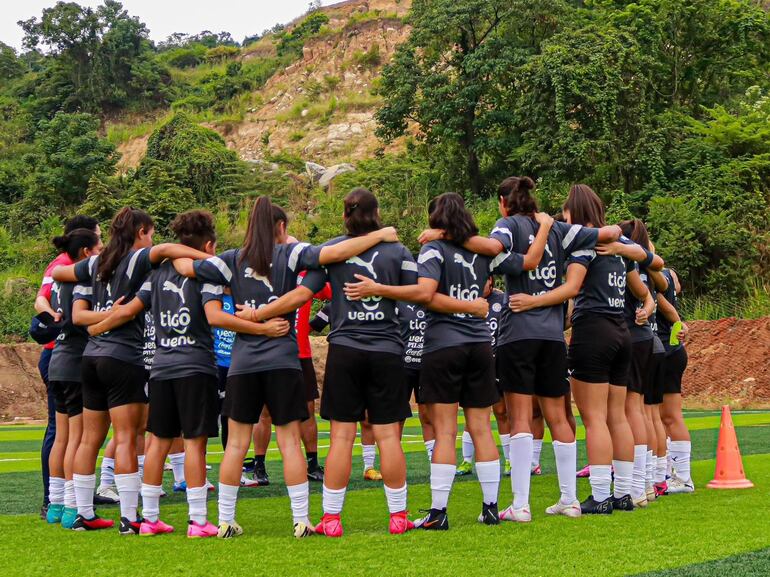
{"x": 148, "y": 529}
{"x": 583, "y": 473}
{"x": 330, "y": 525}
{"x": 536, "y": 470}
{"x": 195, "y": 530}
{"x": 399, "y": 523}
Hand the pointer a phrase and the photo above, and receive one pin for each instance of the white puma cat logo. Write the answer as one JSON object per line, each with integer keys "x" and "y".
{"x": 460, "y": 259}
{"x": 547, "y": 248}
{"x": 251, "y": 273}
{"x": 109, "y": 291}
{"x": 177, "y": 290}
{"x": 362, "y": 263}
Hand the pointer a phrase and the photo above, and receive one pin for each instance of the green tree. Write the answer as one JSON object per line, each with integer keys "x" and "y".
{"x": 101, "y": 200}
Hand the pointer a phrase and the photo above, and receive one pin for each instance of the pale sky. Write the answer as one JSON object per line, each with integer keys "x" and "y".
{"x": 239, "y": 17}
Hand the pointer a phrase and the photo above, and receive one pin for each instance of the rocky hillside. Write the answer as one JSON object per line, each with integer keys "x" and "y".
{"x": 321, "y": 107}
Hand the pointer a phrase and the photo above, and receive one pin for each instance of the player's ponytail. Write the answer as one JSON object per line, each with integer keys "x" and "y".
{"x": 636, "y": 231}
{"x": 259, "y": 243}
{"x": 516, "y": 194}
{"x": 75, "y": 241}
{"x": 448, "y": 213}
{"x": 361, "y": 212}
{"x": 123, "y": 231}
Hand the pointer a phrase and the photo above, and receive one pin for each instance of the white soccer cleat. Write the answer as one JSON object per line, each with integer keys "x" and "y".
{"x": 108, "y": 494}
{"x": 641, "y": 502}
{"x": 569, "y": 510}
{"x": 651, "y": 495}
{"x": 246, "y": 482}
{"x": 303, "y": 529}
{"x": 521, "y": 515}
{"x": 677, "y": 486}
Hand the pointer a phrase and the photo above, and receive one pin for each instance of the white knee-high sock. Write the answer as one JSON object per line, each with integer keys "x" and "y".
{"x": 468, "y": 449}
{"x": 652, "y": 462}
{"x": 624, "y": 474}
{"x": 668, "y": 460}
{"x": 140, "y": 463}
{"x": 566, "y": 463}
{"x": 228, "y": 496}
{"x": 128, "y": 486}
{"x": 396, "y": 499}
{"x": 600, "y": 479}
{"x": 69, "y": 495}
{"x": 521, "y": 459}
{"x": 151, "y": 502}
{"x": 56, "y": 490}
{"x": 488, "y": 473}
{"x": 177, "y": 466}
{"x": 680, "y": 459}
{"x": 369, "y": 453}
{"x": 660, "y": 469}
{"x": 441, "y": 478}
{"x": 429, "y": 448}
{"x": 84, "y": 494}
{"x": 107, "y": 473}
{"x": 537, "y": 448}
{"x": 197, "y": 508}
{"x": 299, "y": 495}
{"x": 333, "y": 500}
{"x": 505, "y": 443}
{"x": 639, "y": 483}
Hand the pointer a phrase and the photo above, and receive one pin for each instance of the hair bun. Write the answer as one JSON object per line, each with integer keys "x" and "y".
{"x": 61, "y": 242}
{"x": 527, "y": 182}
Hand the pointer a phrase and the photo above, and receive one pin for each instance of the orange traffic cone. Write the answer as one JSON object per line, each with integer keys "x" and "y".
{"x": 729, "y": 473}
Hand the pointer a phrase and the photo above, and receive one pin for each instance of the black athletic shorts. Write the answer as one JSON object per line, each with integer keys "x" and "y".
{"x": 360, "y": 384}
{"x": 68, "y": 397}
{"x": 675, "y": 365}
{"x": 600, "y": 349}
{"x": 639, "y": 370}
{"x": 533, "y": 367}
{"x": 110, "y": 383}
{"x": 282, "y": 391}
{"x": 653, "y": 392}
{"x": 463, "y": 374}
{"x": 412, "y": 381}
{"x": 184, "y": 407}
{"x": 310, "y": 378}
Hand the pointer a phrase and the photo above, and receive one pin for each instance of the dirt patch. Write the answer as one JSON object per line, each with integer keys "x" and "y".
{"x": 729, "y": 364}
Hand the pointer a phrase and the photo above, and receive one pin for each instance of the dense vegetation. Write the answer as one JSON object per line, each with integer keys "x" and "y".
{"x": 663, "y": 106}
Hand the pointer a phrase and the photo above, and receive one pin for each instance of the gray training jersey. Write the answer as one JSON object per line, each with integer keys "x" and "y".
{"x": 413, "y": 319}
{"x": 517, "y": 233}
{"x": 257, "y": 353}
{"x": 461, "y": 274}
{"x": 497, "y": 303}
{"x": 604, "y": 288}
{"x": 643, "y": 332}
{"x": 72, "y": 340}
{"x": 370, "y": 324}
{"x": 183, "y": 337}
{"x": 126, "y": 342}
{"x": 148, "y": 352}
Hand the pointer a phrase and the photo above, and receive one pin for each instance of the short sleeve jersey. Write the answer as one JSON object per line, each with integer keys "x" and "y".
{"x": 257, "y": 353}
{"x": 46, "y": 286}
{"x": 663, "y": 324}
{"x": 516, "y": 234}
{"x": 496, "y": 300}
{"x": 412, "y": 319}
{"x": 126, "y": 342}
{"x": 604, "y": 288}
{"x": 224, "y": 339}
{"x": 643, "y": 332}
{"x": 72, "y": 340}
{"x": 370, "y": 324}
{"x": 185, "y": 345}
{"x": 460, "y": 274}
{"x": 148, "y": 353}
{"x": 303, "y": 321}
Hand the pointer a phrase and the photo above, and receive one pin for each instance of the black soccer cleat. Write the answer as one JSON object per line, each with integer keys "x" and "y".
{"x": 315, "y": 474}
{"x": 435, "y": 520}
{"x": 260, "y": 475}
{"x": 129, "y": 527}
{"x": 489, "y": 514}
{"x": 593, "y": 507}
{"x": 624, "y": 503}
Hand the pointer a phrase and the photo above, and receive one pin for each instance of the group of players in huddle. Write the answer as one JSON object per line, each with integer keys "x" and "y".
{"x": 430, "y": 326}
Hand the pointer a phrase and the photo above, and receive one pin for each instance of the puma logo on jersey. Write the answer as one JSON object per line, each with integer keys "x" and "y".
{"x": 369, "y": 266}
{"x": 177, "y": 290}
{"x": 109, "y": 291}
{"x": 460, "y": 259}
{"x": 251, "y": 273}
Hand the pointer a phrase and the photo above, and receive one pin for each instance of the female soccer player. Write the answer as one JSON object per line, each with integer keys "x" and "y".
{"x": 113, "y": 368}
{"x": 364, "y": 369}
{"x": 675, "y": 365}
{"x": 457, "y": 363}
{"x": 64, "y": 376}
{"x": 266, "y": 371}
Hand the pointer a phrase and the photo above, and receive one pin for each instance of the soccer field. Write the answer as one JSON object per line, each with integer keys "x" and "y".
{"x": 707, "y": 533}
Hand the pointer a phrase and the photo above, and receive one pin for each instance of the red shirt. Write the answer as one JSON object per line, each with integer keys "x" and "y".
{"x": 302, "y": 325}
{"x": 45, "y": 287}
